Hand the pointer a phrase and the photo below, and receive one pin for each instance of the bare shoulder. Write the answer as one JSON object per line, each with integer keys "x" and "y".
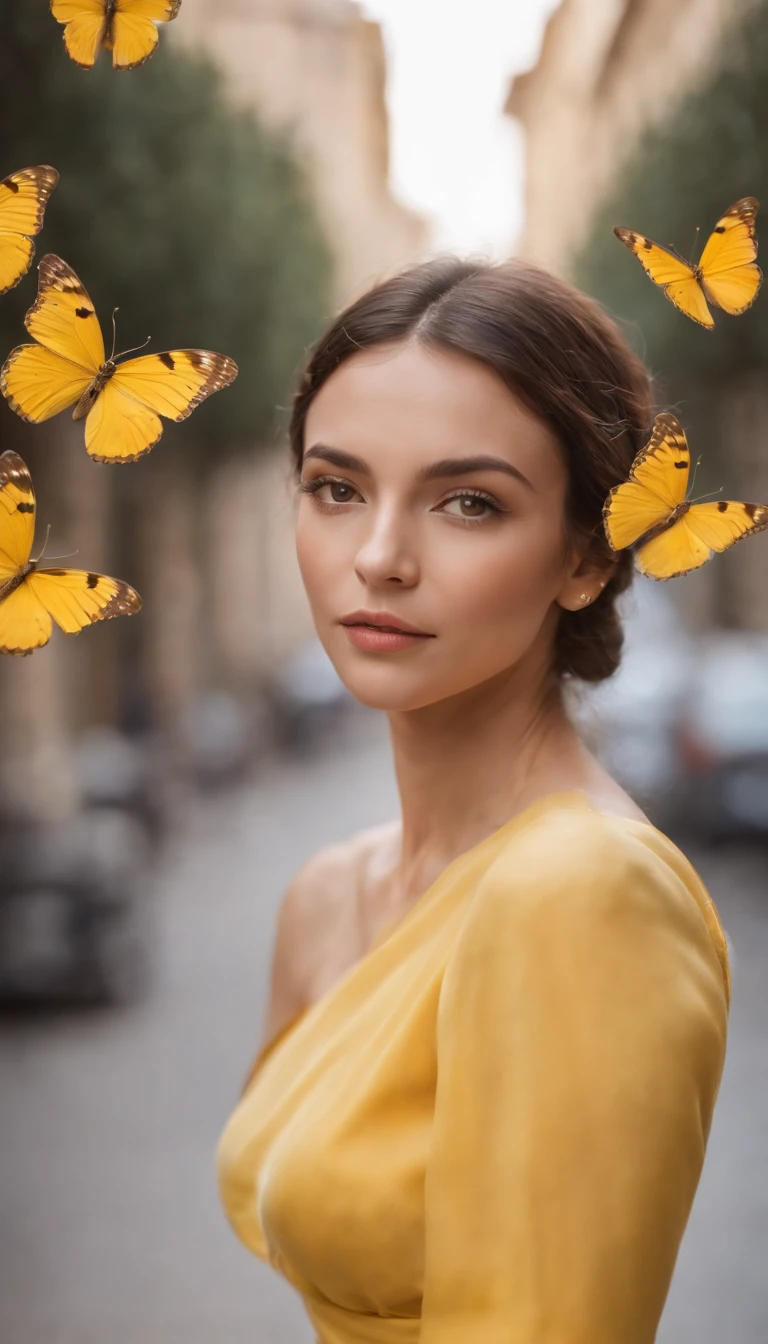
{"x": 317, "y": 934}
{"x": 606, "y": 795}
{"x": 616, "y": 802}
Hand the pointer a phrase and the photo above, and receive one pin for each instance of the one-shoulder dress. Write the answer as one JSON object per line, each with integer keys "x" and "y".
{"x": 491, "y": 1129}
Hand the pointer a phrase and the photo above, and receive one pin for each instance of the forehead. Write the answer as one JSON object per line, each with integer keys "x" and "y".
{"x": 400, "y": 406}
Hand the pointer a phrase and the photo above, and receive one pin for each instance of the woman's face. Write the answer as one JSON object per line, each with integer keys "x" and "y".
{"x": 437, "y": 500}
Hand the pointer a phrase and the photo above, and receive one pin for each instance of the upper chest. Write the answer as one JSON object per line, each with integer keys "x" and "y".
{"x": 359, "y": 901}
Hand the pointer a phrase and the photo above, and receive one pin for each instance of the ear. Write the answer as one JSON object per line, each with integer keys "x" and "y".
{"x": 590, "y": 574}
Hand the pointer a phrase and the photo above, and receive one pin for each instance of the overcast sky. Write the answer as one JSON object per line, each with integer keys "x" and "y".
{"x": 455, "y": 157}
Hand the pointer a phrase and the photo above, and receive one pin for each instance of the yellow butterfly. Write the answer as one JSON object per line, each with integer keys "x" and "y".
{"x": 124, "y": 27}
{"x": 23, "y": 198}
{"x": 120, "y": 403}
{"x": 673, "y": 535}
{"x": 726, "y": 274}
{"x": 29, "y": 596}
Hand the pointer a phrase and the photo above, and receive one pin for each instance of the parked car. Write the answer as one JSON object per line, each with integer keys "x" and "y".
{"x": 307, "y": 696}
{"x": 721, "y": 738}
{"x": 115, "y": 771}
{"x": 75, "y": 912}
{"x": 630, "y": 719}
{"x": 225, "y": 737}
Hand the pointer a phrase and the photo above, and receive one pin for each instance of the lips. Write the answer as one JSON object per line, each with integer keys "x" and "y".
{"x": 388, "y": 629}
{"x": 385, "y": 621}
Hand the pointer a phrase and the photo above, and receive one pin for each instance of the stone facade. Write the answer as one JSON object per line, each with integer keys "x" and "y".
{"x": 317, "y": 69}
{"x": 607, "y": 70}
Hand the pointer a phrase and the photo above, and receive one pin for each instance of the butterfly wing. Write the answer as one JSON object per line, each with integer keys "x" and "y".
{"x": 672, "y": 273}
{"x": 120, "y": 429}
{"x": 731, "y": 278}
{"x": 24, "y": 624}
{"x": 688, "y": 296}
{"x": 675, "y": 551}
{"x": 125, "y": 422}
{"x": 63, "y": 319}
{"x": 175, "y": 382}
{"x": 159, "y": 11}
{"x": 17, "y": 515}
{"x": 85, "y": 28}
{"x": 132, "y": 35}
{"x": 657, "y": 483}
{"x": 72, "y": 597}
{"x": 76, "y": 598}
{"x": 23, "y": 198}
{"x": 705, "y": 528}
{"x": 723, "y": 522}
{"x": 38, "y": 384}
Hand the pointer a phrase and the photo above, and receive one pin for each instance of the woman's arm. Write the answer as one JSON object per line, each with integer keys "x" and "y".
{"x": 581, "y": 1039}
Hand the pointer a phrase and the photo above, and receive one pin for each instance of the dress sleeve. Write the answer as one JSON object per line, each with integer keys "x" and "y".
{"x": 581, "y": 1038}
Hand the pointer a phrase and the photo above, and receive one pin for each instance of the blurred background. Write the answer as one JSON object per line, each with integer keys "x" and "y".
{"x": 161, "y": 778}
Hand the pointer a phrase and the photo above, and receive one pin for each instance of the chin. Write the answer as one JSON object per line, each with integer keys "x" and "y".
{"x": 390, "y": 688}
{"x": 381, "y": 684}
{"x": 382, "y": 688}
{"x": 403, "y": 682}
{"x": 391, "y": 703}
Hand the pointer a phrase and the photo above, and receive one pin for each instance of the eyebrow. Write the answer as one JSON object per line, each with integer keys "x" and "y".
{"x": 447, "y": 466}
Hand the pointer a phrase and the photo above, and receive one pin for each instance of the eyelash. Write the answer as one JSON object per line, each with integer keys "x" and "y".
{"x": 311, "y": 488}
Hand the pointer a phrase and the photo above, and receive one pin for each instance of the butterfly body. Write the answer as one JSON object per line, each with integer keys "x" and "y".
{"x": 726, "y": 274}
{"x": 671, "y": 533}
{"x": 17, "y": 579}
{"x": 31, "y": 597}
{"x": 106, "y": 34}
{"x": 85, "y": 404}
{"x": 121, "y": 401}
{"x": 677, "y": 513}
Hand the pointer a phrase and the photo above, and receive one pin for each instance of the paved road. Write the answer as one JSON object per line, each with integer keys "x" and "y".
{"x": 111, "y": 1230}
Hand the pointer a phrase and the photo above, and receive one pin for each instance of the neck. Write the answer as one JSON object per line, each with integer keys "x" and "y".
{"x": 465, "y": 766}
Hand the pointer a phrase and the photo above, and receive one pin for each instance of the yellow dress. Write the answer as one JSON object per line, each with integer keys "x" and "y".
{"x": 491, "y": 1129}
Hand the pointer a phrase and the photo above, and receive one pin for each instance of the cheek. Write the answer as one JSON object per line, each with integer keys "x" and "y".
{"x": 504, "y": 580}
{"x": 318, "y": 554}
{"x": 488, "y": 592}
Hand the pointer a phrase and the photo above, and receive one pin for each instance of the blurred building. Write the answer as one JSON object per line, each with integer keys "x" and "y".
{"x": 317, "y": 69}
{"x": 223, "y": 598}
{"x": 608, "y": 69}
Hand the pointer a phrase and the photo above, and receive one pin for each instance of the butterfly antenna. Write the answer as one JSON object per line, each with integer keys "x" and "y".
{"x": 45, "y": 543}
{"x": 695, "y": 241}
{"x": 709, "y": 493}
{"x": 134, "y": 348}
{"x": 695, "y": 469}
{"x": 68, "y": 556}
{"x": 114, "y": 334}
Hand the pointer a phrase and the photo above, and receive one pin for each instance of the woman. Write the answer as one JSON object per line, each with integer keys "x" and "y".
{"x": 498, "y": 1025}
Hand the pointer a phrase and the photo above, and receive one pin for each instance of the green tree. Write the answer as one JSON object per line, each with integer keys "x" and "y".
{"x": 199, "y": 225}
{"x": 681, "y": 177}
{"x": 186, "y": 214}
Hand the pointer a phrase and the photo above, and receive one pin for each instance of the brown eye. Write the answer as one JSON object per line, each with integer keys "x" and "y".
{"x": 470, "y": 506}
{"x": 339, "y": 486}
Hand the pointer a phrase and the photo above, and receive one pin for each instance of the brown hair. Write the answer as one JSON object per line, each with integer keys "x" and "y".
{"x": 560, "y": 353}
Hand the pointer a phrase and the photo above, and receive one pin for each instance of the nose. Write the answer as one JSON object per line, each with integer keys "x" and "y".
{"x": 389, "y": 551}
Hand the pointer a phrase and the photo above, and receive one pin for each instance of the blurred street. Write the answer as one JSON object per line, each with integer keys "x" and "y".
{"x": 111, "y": 1227}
